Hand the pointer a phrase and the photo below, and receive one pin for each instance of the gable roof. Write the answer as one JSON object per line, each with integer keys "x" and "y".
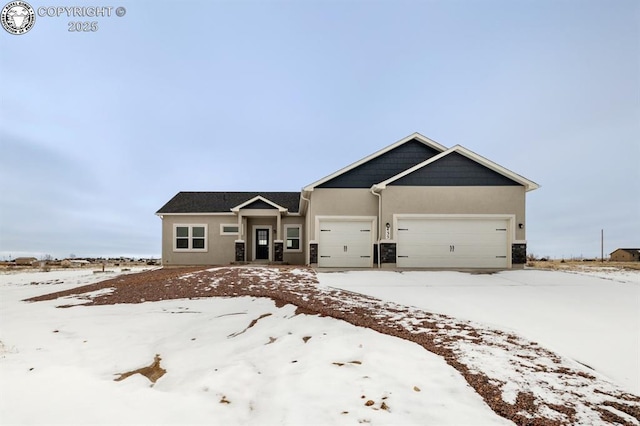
{"x": 528, "y": 184}
{"x": 224, "y": 202}
{"x": 259, "y": 202}
{"x": 413, "y": 137}
{"x": 629, "y": 250}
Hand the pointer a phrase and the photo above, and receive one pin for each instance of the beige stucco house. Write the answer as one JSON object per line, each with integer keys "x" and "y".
{"x": 626, "y": 255}
{"x": 25, "y": 261}
{"x": 413, "y": 204}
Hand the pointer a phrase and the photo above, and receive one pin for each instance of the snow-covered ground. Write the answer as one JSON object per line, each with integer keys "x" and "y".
{"x": 59, "y": 365}
{"x": 591, "y": 315}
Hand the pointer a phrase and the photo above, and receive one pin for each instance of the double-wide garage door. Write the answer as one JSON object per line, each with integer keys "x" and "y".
{"x": 345, "y": 243}
{"x": 452, "y": 243}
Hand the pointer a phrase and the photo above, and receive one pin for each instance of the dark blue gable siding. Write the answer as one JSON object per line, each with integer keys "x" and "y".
{"x": 259, "y": 204}
{"x": 383, "y": 167}
{"x": 454, "y": 170}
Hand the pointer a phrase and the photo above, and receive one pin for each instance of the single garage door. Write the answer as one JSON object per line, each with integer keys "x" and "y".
{"x": 345, "y": 243}
{"x": 452, "y": 243}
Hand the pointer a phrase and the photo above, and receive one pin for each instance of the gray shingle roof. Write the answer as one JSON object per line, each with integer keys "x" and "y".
{"x": 223, "y": 202}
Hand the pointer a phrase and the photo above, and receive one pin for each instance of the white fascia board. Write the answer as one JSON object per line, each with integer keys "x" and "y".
{"x": 258, "y": 198}
{"x": 425, "y": 140}
{"x": 382, "y": 185}
{"x": 528, "y": 184}
{"x": 196, "y": 214}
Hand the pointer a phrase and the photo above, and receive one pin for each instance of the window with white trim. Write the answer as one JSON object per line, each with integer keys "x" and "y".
{"x": 293, "y": 238}
{"x": 229, "y": 229}
{"x": 189, "y": 237}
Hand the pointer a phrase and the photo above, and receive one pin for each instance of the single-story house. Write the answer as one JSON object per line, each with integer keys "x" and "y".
{"x": 414, "y": 204}
{"x": 625, "y": 255}
{"x": 25, "y": 261}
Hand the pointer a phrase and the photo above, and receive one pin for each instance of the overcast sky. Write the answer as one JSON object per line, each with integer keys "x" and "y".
{"x": 98, "y": 130}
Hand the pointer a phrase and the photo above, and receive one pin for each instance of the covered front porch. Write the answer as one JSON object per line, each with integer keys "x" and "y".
{"x": 260, "y": 232}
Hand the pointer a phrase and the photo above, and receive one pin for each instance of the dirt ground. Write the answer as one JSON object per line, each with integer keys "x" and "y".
{"x": 439, "y": 334}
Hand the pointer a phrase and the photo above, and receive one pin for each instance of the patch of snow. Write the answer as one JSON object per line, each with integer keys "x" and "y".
{"x": 286, "y": 369}
{"x": 592, "y": 320}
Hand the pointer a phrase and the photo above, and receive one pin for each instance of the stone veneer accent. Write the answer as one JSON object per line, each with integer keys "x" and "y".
{"x": 313, "y": 253}
{"x": 240, "y": 251}
{"x": 387, "y": 252}
{"x": 278, "y": 251}
{"x": 518, "y": 254}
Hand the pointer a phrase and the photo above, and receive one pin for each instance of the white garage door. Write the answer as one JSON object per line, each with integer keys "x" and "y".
{"x": 345, "y": 243}
{"x": 452, "y": 243}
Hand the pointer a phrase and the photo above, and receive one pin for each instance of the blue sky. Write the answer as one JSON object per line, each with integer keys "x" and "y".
{"x": 98, "y": 130}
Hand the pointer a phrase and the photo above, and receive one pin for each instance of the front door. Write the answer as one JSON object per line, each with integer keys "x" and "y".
{"x": 262, "y": 244}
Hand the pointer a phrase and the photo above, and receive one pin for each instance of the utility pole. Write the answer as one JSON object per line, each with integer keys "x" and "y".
{"x": 602, "y": 245}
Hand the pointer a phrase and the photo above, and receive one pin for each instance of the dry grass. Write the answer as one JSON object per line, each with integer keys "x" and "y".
{"x": 53, "y": 265}
{"x": 573, "y": 265}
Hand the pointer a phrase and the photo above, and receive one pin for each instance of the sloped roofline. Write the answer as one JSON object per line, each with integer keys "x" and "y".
{"x": 258, "y": 198}
{"x": 417, "y": 136}
{"x": 630, "y": 250}
{"x": 528, "y": 184}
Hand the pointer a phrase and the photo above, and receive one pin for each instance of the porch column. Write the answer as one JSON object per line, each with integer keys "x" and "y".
{"x": 240, "y": 251}
{"x": 240, "y": 230}
{"x": 278, "y": 251}
{"x": 278, "y": 241}
{"x": 279, "y": 230}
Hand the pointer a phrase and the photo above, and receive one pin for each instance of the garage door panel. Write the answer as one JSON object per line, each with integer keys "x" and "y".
{"x": 345, "y": 243}
{"x": 452, "y": 243}
{"x": 344, "y": 261}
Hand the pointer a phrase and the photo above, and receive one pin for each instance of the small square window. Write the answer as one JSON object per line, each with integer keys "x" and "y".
{"x": 293, "y": 244}
{"x": 198, "y": 232}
